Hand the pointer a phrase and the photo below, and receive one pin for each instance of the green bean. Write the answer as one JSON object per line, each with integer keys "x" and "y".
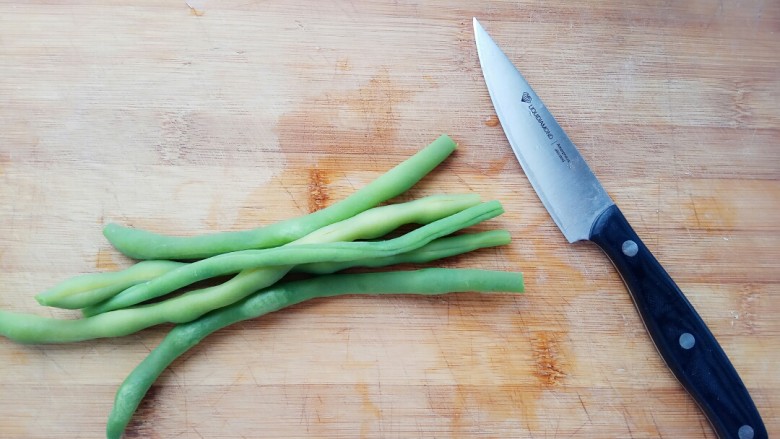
{"x": 437, "y": 249}
{"x": 28, "y": 328}
{"x": 432, "y": 281}
{"x": 141, "y": 244}
{"x": 89, "y": 289}
{"x": 369, "y": 224}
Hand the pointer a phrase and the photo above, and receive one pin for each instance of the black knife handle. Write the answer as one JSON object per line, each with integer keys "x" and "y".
{"x": 680, "y": 335}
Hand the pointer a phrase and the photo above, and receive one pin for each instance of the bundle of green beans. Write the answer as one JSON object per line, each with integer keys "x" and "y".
{"x": 350, "y": 233}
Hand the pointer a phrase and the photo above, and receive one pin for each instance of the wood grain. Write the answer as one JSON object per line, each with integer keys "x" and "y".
{"x": 192, "y": 117}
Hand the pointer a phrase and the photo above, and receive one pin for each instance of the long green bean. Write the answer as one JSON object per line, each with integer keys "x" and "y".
{"x": 432, "y": 281}
{"x": 369, "y": 224}
{"x": 437, "y": 249}
{"x": 28, "y": 328}
{"x": 141, "y": 244}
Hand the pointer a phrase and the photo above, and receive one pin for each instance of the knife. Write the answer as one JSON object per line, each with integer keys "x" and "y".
{"x": 581, "y": 208}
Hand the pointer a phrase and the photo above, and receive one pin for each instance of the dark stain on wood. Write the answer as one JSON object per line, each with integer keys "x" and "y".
{"x": 549, "y": 368}
{"x": 318, "y": 190}
{"x": 104, "y": 260}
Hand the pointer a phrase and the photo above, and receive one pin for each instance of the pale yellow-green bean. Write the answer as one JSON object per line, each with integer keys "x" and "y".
{"x": 89, "y": 289}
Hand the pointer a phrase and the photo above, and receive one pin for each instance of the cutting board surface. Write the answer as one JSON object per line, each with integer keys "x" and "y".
{"x": 186, "y": 118}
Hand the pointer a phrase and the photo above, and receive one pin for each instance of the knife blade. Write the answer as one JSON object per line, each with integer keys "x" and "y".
{"x": 583, "y": 211}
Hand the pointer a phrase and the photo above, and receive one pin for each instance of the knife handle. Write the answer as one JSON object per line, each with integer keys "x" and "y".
{"x": 678, "y": 332}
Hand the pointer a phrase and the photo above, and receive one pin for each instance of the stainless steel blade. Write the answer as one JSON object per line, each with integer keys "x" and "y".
{"x": 560, "y": 176}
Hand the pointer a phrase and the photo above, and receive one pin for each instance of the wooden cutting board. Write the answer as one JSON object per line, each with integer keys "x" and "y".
{"x": 187, "y": 118}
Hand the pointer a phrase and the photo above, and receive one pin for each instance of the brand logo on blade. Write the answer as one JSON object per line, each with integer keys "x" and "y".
{"x": 527, "y": 99}
{"x": 557, "y": 147}
{"x": 539, "y": 119}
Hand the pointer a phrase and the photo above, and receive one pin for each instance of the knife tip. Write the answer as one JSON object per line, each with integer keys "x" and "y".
{"x": 479, "y": 31}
